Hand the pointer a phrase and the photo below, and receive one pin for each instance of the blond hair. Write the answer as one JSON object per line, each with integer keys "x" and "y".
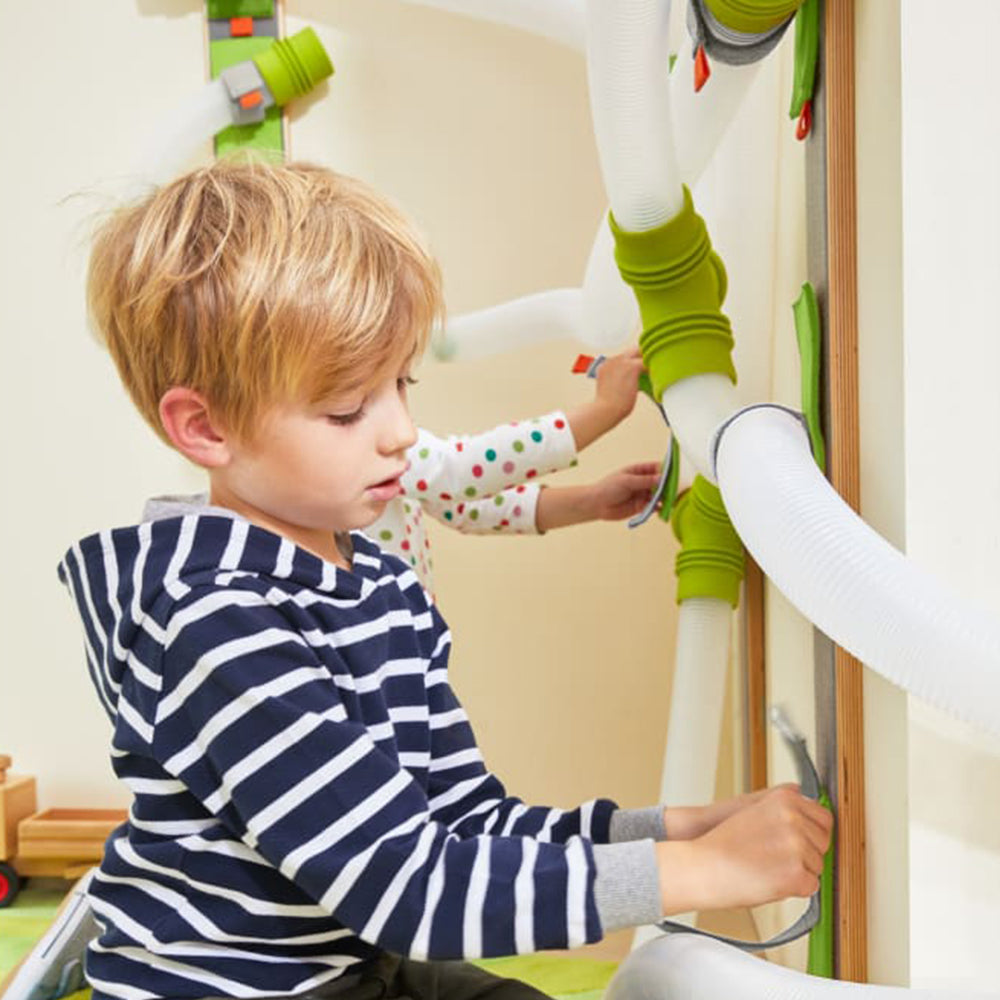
{"x": 256, "y": 285}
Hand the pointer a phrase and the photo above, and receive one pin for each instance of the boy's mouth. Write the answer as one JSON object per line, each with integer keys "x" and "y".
{"x": 389, "y": 488}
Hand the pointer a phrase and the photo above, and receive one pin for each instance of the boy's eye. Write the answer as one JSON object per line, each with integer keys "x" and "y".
{"x": 345, "y": 419}
{"x": 404, "y": 381}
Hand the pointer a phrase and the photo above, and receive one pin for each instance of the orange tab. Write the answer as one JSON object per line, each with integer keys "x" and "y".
{"x": 702, "y": 70}
{"x": 805, "y": 121}
{"x": 241, "y": 27}
{"x": 582, "y": 363}
{"x": 251, "y": 99}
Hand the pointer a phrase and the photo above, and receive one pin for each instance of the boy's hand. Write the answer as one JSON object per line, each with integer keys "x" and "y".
{"x": 614, "y": 398}
{"x": 770, "y": 849}
{"x": 688, "y": 822}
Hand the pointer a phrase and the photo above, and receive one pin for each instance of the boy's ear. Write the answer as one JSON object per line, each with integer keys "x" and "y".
{"x": 187, "y": 421}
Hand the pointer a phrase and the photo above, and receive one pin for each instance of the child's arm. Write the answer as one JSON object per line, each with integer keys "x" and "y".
{"x": 445, "y": 472}
{"x": 613, "y": 498}
{"x": 533, "y": 509}
{"x": 462, "y": 469}
{"x": 769, "y": 845}
{"x": 255, "y": 727}
{"x": 614, "y": 398}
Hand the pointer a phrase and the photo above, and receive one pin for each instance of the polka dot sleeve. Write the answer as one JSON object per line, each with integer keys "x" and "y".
{"x": 510, "y": 512}
{"x": 445, "y": 472}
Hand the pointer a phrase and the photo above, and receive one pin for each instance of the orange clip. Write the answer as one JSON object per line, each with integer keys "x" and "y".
{"x": 251, "y": 99}
{"x": 241, "y": 27}
{"x": 702, "y": 70}
{"x": 804, "y": 125}
{"x": 582, "y": 363}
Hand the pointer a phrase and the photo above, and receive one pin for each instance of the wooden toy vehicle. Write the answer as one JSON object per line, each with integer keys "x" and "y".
{"x": 59, "y": 842}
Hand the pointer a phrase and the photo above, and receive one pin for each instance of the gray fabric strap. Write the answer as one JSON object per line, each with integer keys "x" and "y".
{"x": 736, "y": 48}
{"x": 810, "y": 787}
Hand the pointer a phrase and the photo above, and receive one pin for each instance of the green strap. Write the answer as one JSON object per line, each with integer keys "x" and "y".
{"x": 806, "y": 56}
{"x": 820, "y": 962}
{"x": 809, "y": 337}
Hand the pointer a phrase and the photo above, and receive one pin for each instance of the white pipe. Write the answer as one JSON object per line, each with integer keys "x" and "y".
{"x": 178, "y": 135}
{"x": 691, "y": 757}
{"x": 532, "y": 319}
{"x": 628, "y": 63}
{"x": 702, "y": 659}
{"x": 696, "y": 407}
{"x": 558, "y": 20}
{"x": 687, "y": 967}
{"x": 859, "y": 590}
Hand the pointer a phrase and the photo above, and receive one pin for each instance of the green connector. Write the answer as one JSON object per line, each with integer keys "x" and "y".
{"x": 809, "y": 337}
{"x": 806, "y": 56}
{"x": 711, "y": 560}
{"x": 293, "y": 66}
{"x": 820, "y": 961}
{"x": 680, "y": 284}
{"x": 752, "y": 17}
{"x": 264, "y": 136}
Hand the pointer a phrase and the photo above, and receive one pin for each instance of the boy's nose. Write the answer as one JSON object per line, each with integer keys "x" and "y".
{"x": 398, "y": 432}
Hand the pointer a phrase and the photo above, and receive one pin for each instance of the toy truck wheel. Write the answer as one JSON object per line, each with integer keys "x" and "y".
{"x": 10, "y": 884}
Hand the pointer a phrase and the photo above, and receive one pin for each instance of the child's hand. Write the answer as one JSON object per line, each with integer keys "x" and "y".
{"x": 614, "y": 398}
{"x": 618, "y": 384}
{"x": 623, "y": 493}
{"x": 770, "y": 849}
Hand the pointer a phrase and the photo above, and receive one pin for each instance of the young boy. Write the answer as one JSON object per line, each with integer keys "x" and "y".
{"x": 311, "y": 814}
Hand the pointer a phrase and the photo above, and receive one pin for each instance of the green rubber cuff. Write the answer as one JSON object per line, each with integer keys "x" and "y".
{"x": 293, "y": 66}
{"x": 752, "y": 17}
{"x": 680, "y": 284}
{"x": 711, "y": 560}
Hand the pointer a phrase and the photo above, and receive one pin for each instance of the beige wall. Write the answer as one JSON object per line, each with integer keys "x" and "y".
{"x": 951, "y": 158}
{"x": 562, "y": 644}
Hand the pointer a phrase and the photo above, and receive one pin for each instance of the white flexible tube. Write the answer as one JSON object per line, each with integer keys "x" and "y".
{"x": 844, "y": 577}
{"x": 532, "y": 319}
{"x": 628, "y": 63}
{"x": 691, "y": 757}
{"x": 179, "y": 134}
{"x": 686, "y": 967}
{"x": 696, "y": 407}
{"x": 558, "y": 20}
{"x": 692, "y": 754}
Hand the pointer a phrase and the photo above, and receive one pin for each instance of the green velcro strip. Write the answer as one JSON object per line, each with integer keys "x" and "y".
{"x": 711, "y": 560}
{"x": 680, "y": 284}
{"x": 224, "y": 9}
{"x": 753, "y": 17}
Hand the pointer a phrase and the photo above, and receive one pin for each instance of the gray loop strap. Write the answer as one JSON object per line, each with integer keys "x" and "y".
{"x": 737, "y": 48}
{"x": 724, "y": 426}
{"x": 810, "y": 787}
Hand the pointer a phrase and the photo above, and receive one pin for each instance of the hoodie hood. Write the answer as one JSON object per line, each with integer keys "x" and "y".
{"x": 126, "y": 581}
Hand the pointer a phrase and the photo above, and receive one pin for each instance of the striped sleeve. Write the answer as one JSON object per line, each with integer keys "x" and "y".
{"x": 470, "y": 800}
{"x": 254, "y": 725}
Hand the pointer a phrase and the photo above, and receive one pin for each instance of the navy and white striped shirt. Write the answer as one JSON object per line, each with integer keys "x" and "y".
{"x": 307, "y": 788}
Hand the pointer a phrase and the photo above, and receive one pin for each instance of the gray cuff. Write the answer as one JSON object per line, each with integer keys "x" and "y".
{"x": 627, "y": 884}
{"x": 637, "y": 824}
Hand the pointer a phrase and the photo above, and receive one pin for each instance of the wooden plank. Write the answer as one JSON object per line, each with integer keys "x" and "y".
{"x": 844, "y": 471}
{"x": 70, "y": 824}
{"x": 755, "y": 675}
{"x": 18, "y": 798}
{"x": 66, "y": 850}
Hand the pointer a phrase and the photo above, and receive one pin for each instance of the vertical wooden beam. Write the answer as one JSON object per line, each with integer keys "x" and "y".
{"x": 755, "y": 678}
{"x": 844, "y": 471}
